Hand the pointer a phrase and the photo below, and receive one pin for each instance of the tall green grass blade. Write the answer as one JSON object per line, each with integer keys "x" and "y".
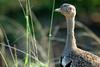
{"x": 33, "y": 35}
{"x": 21, "y": 6}
{"x": 50, "y": 34}
{"x": 16, "y": 59}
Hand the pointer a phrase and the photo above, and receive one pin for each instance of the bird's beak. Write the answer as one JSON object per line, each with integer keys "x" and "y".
{"x": 58, "y": 10}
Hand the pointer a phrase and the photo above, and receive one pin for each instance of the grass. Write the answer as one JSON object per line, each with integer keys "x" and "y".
{"x": 29, "y": 60}
{"x": 50, "y": 34}
{"x": 3, "y": 57}
{"x": 28, "y": 17}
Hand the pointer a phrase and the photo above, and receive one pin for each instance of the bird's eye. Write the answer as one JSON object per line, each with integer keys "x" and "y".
{"x": 70, "y": 8}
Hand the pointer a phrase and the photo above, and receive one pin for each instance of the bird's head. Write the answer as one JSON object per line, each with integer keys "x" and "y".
{"x": 67, "y": 10}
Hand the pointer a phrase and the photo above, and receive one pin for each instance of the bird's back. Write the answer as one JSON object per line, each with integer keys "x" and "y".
{"x": 81, "y": 58}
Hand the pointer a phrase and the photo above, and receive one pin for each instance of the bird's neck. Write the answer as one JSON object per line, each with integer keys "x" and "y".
{"x": 70, "y": 40}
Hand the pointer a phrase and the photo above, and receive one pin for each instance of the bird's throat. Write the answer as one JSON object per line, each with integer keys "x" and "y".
{"x": 70, "y": 41}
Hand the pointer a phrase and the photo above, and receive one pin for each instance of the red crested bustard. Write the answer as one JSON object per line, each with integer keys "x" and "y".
{"x": 72, "y": 55}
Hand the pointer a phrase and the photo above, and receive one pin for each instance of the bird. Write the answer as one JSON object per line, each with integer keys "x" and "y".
{"x": 73, "y": 56}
